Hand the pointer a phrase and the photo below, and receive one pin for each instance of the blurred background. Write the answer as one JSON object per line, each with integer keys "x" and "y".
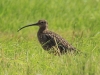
{"x": 78, "y": 21}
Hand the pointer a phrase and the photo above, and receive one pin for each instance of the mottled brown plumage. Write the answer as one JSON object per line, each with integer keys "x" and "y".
{"x": 50, "y": 40}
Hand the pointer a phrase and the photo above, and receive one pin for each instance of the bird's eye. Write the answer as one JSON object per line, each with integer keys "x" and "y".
{"x": 42, "y": 22}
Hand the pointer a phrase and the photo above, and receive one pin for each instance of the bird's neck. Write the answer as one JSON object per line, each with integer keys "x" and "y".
{"x": 42, "y": 29}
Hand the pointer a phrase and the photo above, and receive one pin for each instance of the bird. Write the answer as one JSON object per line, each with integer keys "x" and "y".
{"x": 50, "y": 40}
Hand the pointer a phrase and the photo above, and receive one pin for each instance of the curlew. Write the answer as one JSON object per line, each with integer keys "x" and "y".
{"x": 50, "y": 40}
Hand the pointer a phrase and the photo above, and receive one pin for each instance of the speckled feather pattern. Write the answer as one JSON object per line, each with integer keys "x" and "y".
{"x": 48, "y": 39}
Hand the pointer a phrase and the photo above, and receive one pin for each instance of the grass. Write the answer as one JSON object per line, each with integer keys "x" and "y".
{"x": 77, "y": 21}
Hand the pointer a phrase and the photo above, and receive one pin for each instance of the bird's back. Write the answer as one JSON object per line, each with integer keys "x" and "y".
{"x": 50, "y": 39}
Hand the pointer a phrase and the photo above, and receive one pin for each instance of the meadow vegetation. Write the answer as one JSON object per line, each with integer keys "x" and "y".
{"x": 78, "y": 21}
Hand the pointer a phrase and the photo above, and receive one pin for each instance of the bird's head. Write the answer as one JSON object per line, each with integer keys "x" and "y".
{"x": 40, "y": 23}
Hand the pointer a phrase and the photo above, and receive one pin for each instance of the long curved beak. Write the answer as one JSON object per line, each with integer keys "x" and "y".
{"x": 27, "y": 26}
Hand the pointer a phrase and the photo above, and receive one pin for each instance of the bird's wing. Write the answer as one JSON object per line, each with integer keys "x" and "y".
{"x": 55, "y": 39}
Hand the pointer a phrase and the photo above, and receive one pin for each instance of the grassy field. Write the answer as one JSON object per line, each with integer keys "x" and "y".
{"x": 78, "y": 21}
